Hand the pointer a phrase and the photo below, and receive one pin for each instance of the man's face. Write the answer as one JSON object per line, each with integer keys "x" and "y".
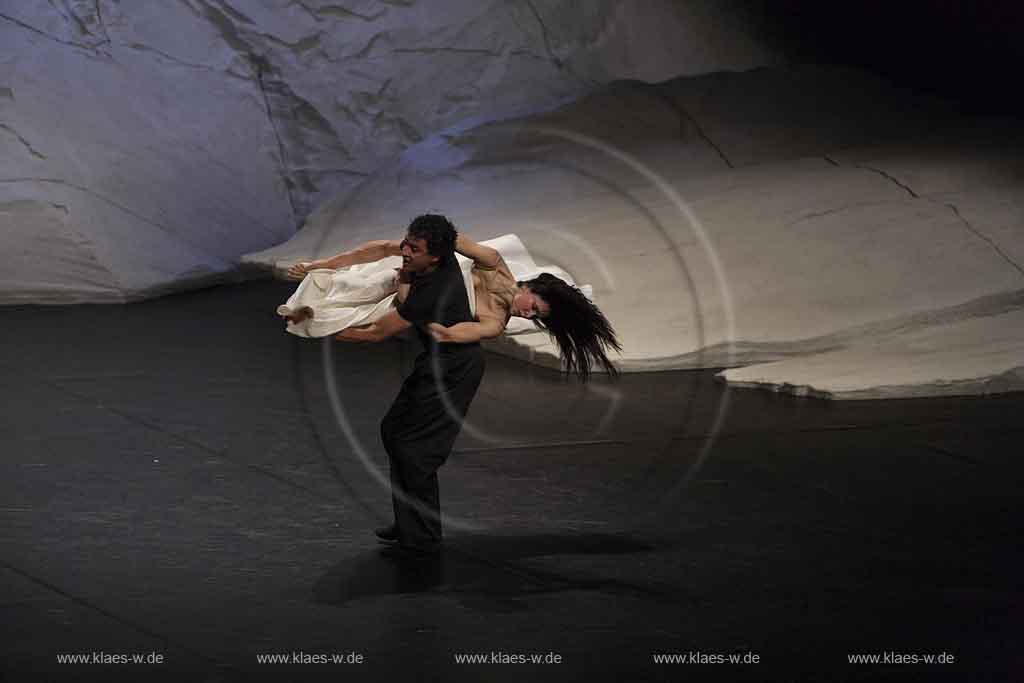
{"x": 415, "y": 257}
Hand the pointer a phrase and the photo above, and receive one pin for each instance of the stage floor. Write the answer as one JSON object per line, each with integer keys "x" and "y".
{"x": 182, "y": 477}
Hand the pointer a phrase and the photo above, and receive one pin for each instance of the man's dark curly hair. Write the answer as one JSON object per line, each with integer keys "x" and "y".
{"x": 579, "y": 328}
{"x": 439, "y": 234}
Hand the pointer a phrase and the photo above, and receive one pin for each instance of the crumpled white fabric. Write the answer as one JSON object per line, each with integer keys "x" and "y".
{"x": 363, "y": 293}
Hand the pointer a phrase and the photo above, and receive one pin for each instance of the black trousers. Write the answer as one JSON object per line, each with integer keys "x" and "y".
{"x": 418, "y": 432}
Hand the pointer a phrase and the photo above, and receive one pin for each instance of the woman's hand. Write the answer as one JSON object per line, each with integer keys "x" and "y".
{"x": 402, "y": 277}
{"x": 439, "y": 332}
{"x": 298, "y": 271}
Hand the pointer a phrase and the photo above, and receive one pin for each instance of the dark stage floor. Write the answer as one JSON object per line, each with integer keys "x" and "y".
{"x": 176, "y": 481}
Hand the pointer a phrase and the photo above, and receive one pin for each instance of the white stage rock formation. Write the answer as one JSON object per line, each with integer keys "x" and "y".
{"x": 814, "y": 229}
{"x": 146, "y": 145}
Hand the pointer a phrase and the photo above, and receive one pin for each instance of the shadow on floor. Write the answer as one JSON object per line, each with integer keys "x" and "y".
{"x": 484, "y": 567}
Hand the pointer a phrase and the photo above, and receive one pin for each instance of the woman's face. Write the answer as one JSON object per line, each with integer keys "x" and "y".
{"x": 526, "y": 304}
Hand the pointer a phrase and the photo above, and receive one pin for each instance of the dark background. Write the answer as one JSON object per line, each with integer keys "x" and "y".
{"x": 970, "y": 52}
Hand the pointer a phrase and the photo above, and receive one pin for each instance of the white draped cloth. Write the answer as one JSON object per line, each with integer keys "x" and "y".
{"x": 360, "y": 294}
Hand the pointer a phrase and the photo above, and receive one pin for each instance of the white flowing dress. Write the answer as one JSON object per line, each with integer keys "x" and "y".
{"x": 363, "y": 293}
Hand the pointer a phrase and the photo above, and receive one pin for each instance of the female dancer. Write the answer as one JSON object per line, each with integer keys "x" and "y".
{"x": 580, "y": 330}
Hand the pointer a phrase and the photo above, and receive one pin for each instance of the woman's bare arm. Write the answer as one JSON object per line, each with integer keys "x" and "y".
{"x": 487, "y": 257}
{"x": 464, "y": 333}
{"x": 369, "y": 252}
{"x": 366, "y": 253}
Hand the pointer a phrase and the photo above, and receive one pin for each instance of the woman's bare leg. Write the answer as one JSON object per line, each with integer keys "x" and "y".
{"x": 302, "y": 314}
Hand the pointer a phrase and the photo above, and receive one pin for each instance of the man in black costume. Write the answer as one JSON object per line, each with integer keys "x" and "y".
{"x": 421, "y": 426}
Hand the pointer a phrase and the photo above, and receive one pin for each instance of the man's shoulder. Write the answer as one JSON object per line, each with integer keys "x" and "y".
{"x": 452, "y": 267}
{"x": 444, "y": 274}
{"x": 443, "y": 268}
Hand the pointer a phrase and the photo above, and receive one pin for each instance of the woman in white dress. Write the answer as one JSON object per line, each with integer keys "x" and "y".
{"x": 352, "y": 289}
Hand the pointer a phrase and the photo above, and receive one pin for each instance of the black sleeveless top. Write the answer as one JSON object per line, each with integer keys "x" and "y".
{"x": 439, "y": 297}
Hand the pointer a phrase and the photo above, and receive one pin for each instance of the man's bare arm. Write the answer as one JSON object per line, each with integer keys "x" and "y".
{"x": 387, "y": 326}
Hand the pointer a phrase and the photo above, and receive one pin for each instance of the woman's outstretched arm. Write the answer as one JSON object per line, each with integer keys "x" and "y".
{"x": 464, "y": 333}
{"x": 369, "y": 252}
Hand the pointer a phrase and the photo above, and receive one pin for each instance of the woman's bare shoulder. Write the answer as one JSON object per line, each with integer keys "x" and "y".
{"x": 499, "y": 268}
{"x": 505, "y": 270}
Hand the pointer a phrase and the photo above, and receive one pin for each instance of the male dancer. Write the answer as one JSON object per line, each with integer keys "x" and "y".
{"x": 421, "y": 426}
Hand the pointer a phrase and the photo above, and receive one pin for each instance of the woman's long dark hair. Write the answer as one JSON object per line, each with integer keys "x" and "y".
{"x": 579, "y": 328}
